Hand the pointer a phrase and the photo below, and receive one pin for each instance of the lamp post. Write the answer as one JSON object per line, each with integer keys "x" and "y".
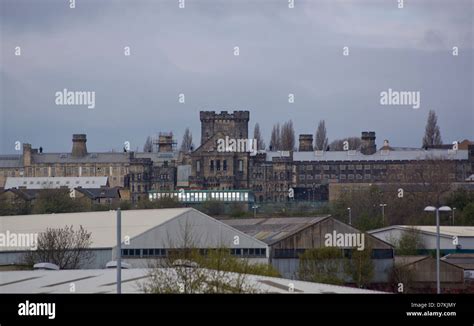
{"x": 350, "y": 215}
{"x": 119, "y": 251}
{"x": 454, "y": 210}
{"x": 437, "y": 210}
{"x": 255, "y": 206}
{"x": 383, "y": 212}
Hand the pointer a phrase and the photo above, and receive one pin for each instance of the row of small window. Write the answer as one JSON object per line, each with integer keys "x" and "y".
{"x": 244, "y": 252}
{"x": 76, "y": 171}
{"x": 295, "y": 253}
{"x": 335, "y": 176}
{"x": 139, "y": 188}
{"x": 282, "y": 176}
{"x": 216, "y": 165}
{"x": 203, "y": 196}
{"x": 343, "y": 167}
{"x": 12, "y": 173}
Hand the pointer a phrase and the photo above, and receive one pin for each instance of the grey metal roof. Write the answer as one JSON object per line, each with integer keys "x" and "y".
{"x": 102, "y": 225}
{"x": 158, "y": 157}
{"x": 445, "y": 230}
{"x": 112, "y": 157}
{"x": 55, "y": 182}
{"x": 396, "y": 155}
{"x": 11, "y": 161}
{"x": 104, "y": 281}
{"x": 271, "y": 230}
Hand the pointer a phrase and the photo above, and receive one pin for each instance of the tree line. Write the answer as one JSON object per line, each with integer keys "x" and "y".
{"x": 283, "y": 137}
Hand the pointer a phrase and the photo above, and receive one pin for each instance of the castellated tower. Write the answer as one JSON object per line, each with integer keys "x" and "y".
{"x": 235, "y": 125}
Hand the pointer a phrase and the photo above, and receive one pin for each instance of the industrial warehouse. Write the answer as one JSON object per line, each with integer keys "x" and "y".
{"x": 146, "y": 234}
{"x": 287, "y": 238}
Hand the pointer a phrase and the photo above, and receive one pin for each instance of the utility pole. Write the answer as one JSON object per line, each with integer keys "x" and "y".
{"x": 119, "y": 251}
{"x": 383, "y": 213}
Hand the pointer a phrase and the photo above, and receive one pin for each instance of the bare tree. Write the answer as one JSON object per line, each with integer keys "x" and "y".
{"x": 321, "y": 142}
{"x": 187, "y": 142}
{"x": 402, "y": 274}
{"x": 428, "y": 181}
{"x": 287, "y": 136}
{"x": 189, "y": 269}
{"x": 257, "y": 135}
{"x": 275, "y": 140}
{"x": 64, "y": 247}
{"x": 148, "y": 147}
{"x": 338, "y": 144}
{"x": 432, "y": 132}
{"x": 321, "y": 265}
{"x": 360, "y": 266}
{"x": 409, "y": 243}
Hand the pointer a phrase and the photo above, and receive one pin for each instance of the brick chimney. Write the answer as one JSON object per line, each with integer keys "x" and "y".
{"x": 79, "y": 148}
{"x": 306, "y": 143}
{"x": 26, "y": 155}
{"x": 368, "y": 146}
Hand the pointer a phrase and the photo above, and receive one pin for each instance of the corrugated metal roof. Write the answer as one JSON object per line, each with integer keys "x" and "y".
{"x": 104, "y": 281}
{"x": 102, "y": 225}
{"x": 460, "y": 231}
{"x": 55, "y": 182}
{"x": 158, "y": 157}
{"x": 112, "y": 157}
{"x": 11, "y": 161}
{"x": 270, "y": 230}
{"x": 396, "y": 155}
{"x": 407, "y": 260}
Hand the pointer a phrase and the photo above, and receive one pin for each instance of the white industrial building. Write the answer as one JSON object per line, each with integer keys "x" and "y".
{"x": 146, "y": 234}
{"x": 452, "y": 238}
{"x": 104, "y": 281}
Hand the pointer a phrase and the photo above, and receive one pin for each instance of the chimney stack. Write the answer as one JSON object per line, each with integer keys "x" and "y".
{"x": 306, "y": 143}
{"x": 368, "y": 146}
{"x": 79, "y": 148}
{"x": 26, "y": 155}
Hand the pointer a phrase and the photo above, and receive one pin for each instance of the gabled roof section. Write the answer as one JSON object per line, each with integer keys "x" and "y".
{"x": 271, "y": 230}
{"x": 102, "y": 225}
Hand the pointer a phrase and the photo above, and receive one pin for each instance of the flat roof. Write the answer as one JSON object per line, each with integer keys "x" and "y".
{"x": 104, "y": 281}
{"x": 381, "y": 155}
{"x": 55, "y": 182}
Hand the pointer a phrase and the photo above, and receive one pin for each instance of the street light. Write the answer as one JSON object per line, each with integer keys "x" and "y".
{"x": 383, "y": 212}
{"x": 255, "y": 206}
{"x": 350, "y": 215}
{"x": 454, "y": 210}
{"x": 437, "y": 210}
{"x": 119, "y": 251}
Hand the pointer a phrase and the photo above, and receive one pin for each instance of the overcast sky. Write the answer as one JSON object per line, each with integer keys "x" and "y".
{"x": 191, "y": 51}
